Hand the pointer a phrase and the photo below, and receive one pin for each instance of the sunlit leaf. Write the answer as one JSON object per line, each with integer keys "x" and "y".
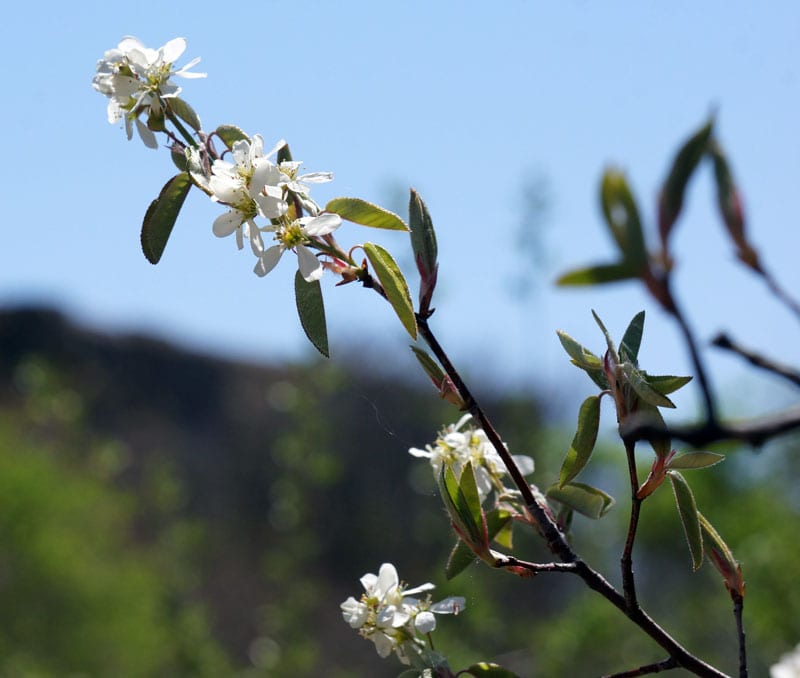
{"x": 394, "y": 285}
{"x": 643, "y": 389}
{"x": 161, "y": 215}
{"x": 584, "y": 440}
{"x": 185, "y": 112}
{"x": 665, "y": 384}
{"x": 632, "y": 339}
{"x": 230, "y": 134}
{"x": 430, "y": 366}
{"x": 310, "y": 307}
{"x": 585, "y": 499}
{"x": 423, "y": 237}
{"x": 366, "y": 214}
{"x": 693, "y": 460}
{"x": 598, "y": 274}
{"x": 462, "y": 502}
{"x": 499, "y": 527}
{"x": 687, "y": 508}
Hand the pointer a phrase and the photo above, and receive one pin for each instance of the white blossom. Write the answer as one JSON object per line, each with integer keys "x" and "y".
{"x": 788, "y": 666}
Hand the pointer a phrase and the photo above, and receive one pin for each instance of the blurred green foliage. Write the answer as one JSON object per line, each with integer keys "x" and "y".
{"x": 164, "y": 514}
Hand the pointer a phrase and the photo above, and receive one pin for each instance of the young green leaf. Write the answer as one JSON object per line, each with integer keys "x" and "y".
{"x": 599, "y": 274}
{"x": 684, "y": 165}
{"x": 365, "y": 213}
{"x": 585, "y": 499}
{"x": 284, "y": 154}
{"x": 461, "y": 557}
{"x": 583, "y": 443}
{"x": 693, "y": 460}
{"x": 430, "y": 366}
{"x": 643, "y": 389}
{"x": 310, "y": 307}
{"x": 230, "y": 134}
{"x": 687, "y": 508}
{"x": 393, "y": 284}
{"x": 161, "y": 215}
{"x": 423, "y": 237}
{"x": 622, "y": 217}
{"x": 488, "y": 670}
{"x": 665, "y": 384}
{"x": 722, "y": 558}
{"x": 499, "y": 527}
{"x": 581, "y": 356}
{"x": 632, "y": 339}
{"x": 467, "y": 518}
{"x": 185, "y": 112}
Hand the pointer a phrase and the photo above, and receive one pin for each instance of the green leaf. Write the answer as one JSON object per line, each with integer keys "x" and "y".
{"x": 581, "y": 356}
{"x": 622, "y": 217}
{"x": 365, "y": 213}
{"x": 310, "y": 307}
{"x": 585, "y": 499}
{"x": 693, "y": 460}
{"x": 230, "y": 134}
{"x": 161, "y": 215}
{"x": 599, "y": 274}
{"x": 583, "y": 443}
{"x": 665, "y": 384}
{"x": 632, "y": 339}
{"x": 609, "y": 341}
{"x": 185, "y": 112}
{"x": 284, "y": 154}
{"x": 687, "y": 508}
{"x": 643, "y": 389}
{"x": 393, "y": 284}
{"x": 499, "y": 527}
{"x": 461, "y": 557}
{"x": 683, "y": 166}
{"x": 430, "y": 366}
{"x": 488, "y": 670}
{"x": 423, "y": 237}
{"x": 462, "y": 513}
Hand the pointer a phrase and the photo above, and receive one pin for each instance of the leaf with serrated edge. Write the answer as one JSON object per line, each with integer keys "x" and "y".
{"x": 646, "y": 392}
{"x": 393, "y": 284}
{"x": 598, "y": 274}
{"x": 161, "y": 215}
{"x": 366, "y": 214}
{"x": 693, "y": 460}
{"x": 310, "y": 307}
{"x": 230, "y": 134}
{"x": 583, "y": 443}
{"x": 687, "y": 508}
{"x": 632, "y": 339}
{"x": 585, "y": 499}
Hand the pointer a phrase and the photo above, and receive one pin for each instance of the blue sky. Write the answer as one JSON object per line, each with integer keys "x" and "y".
{"x": 464, "y": 101}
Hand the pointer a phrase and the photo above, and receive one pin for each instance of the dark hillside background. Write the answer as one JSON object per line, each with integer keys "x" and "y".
{"x": 171, "y": 514}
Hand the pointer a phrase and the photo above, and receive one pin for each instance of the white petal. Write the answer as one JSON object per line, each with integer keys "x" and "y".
{"x": 368, "y": 581}
{"x": 316, "y": 177}
{"x": 524, "y": 463}
{"x": 425, "y": 622}
{"x": 173, "y": 49}
{"x": 387, "y": 577}
{"x": 268, "y": 261}
{"x": 227, "y": 223}
{"x": 322, "y": 225}
{"x": 383, "y": 644}
{"x": 146, "y": 134}
{"x": 452, "y": 605}
{"x": 419, "y": 589}
{"x": 354, "y": 612}
{"x": 309, "y": 265}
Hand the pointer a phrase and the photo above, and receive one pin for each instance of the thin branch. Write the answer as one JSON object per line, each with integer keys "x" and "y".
{"x": 626, "y": 562}
{"x": 779, "y": 292}
{"x": 534, "y": 568}
{"x": 738, "y": 608}
{"x": 722, "y": 340}
{"x": 754, "y": 432}
{"x": 554, "y": 538}
{"x": 658, "y": 667}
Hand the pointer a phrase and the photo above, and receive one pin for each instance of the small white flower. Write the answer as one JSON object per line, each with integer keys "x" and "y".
{"x": 299, "y": 185}
{"x": 788, "y": 666}
{"x": 295, "y": 236}
{"x": 249, "y": 187}
{"x": 136, "y": 79}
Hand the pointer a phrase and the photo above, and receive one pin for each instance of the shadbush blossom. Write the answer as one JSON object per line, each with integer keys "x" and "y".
{"x": 788, "y": 666}
{"x": 136, "y": 79}
{"x": 458, "y": 444}
{"x": 389, "y": 615}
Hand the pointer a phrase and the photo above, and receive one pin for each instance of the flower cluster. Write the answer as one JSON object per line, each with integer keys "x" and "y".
{"x": 458, "y": 444}
{"x": 136, "y": 80}
{"x": 788, "y": 666}
{"x": 389, "y": 615}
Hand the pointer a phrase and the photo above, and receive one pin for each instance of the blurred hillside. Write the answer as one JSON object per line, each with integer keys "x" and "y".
{"x": 171, "y": 514}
